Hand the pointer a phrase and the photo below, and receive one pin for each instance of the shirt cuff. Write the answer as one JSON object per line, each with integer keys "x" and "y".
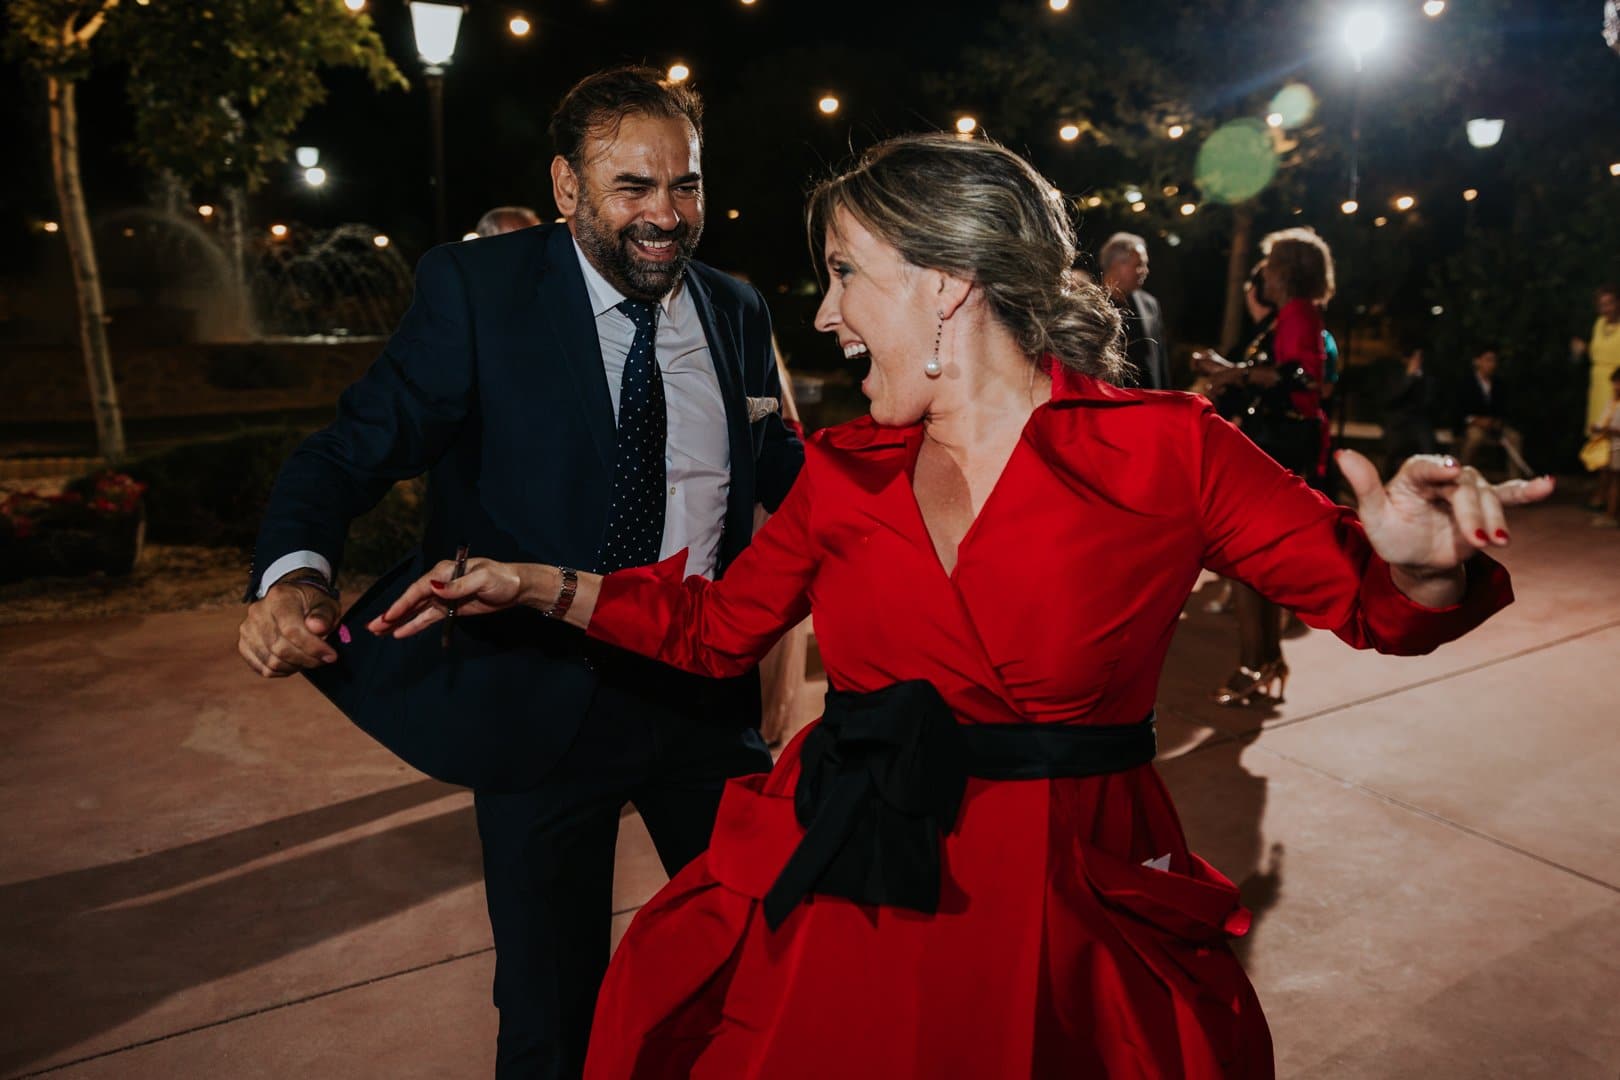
{"x": 298, "y": 560}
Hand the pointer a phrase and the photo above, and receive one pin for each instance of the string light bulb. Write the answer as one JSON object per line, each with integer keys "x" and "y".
{"x": 519, "y": 26}
{"x": 1404, "y": 203}
{"x": 679, "y": 73}
{"x": 380, "y": 240}
{"x": 828, "y": 104}
{"x": 1349, "y": 206}
{"x": 966, "y": 125}
{"x": 1069, "y": 132}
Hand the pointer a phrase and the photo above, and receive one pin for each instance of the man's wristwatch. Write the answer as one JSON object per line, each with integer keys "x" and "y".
{"x": 312, "y": 577}
{"x": 565, "y": 596}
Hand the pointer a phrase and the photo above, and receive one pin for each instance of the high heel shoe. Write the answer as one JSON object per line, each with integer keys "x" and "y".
{"x": 1246, "y": 684}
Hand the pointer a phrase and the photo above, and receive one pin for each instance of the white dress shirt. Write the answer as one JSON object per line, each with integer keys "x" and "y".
{"x": 697, "y": 447}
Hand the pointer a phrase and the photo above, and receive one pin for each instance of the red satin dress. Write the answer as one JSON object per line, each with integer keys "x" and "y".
{"x": 1056, "y": 950}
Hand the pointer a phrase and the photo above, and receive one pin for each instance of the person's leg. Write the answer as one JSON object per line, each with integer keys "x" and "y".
{"x": 1513, "y": 447}
{"x": 1251, "y": 615}
{"x": 1473, "y": 442}
{"x": 548, "y": 879}
{"x": 678, "y": 801}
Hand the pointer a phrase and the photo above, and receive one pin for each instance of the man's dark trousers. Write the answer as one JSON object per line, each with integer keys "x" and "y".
{"x": 549, "y": 853}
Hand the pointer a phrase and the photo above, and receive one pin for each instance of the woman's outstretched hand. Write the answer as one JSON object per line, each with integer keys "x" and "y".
{"x": 486, "y": 586}
{"x": 1435, "y": 513}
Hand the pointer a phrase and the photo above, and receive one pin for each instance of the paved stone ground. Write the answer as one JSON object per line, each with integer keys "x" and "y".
{"x": 208, "y": 875}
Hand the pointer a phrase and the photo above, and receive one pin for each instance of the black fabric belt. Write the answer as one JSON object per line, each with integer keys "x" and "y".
{"x": 882, "y": 778}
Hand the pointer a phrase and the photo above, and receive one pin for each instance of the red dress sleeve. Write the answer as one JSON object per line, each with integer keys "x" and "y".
{"x": 716, "y": 628}
{"x": 1265, "y": 527}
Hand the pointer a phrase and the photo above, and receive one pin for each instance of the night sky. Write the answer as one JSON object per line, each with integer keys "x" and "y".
{"x": 762, "y": 68}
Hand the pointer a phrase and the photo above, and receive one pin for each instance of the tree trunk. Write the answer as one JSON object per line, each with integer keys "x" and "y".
{"x": 245, "y": 319}
{"x": 86, "y": 275}
{"x": 1237, "y": 272}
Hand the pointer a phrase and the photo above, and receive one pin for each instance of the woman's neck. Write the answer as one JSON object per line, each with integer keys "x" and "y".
{"x": 985, "y": 395}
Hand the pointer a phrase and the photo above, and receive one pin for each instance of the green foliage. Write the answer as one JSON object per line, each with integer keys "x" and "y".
{"x": 1126, "y": 81}
{"x": 219, "y": 88}
{"x": 52, "y": 37}
{"x": 213, "y": 494}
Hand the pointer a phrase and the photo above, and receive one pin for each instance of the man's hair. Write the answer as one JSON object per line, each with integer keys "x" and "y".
{"x": 599, "y": 103}
{"x": 1118, "y": 247}
{"x": 1608, "y": 288}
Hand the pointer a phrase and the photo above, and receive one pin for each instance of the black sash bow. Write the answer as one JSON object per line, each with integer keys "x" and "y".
{"x": 882, "y": 778}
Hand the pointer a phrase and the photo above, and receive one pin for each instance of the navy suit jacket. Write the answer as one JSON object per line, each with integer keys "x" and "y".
{"x": 494, "y": 385}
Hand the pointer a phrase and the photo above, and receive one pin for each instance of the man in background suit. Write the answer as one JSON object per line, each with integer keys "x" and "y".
{"x": 584, "y": 395}
{"x": 1123, "y": 264}
{"x": 1483, "y": 407}
{"x": 1409, "y": 412}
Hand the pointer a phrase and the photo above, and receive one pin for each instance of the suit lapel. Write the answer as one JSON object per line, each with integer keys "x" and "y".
{"x": 565, "y": 306}
{"x": 724, "y": 338}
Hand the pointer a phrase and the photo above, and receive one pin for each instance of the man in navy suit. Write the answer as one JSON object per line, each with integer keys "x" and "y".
{"x": 587, "y": 396}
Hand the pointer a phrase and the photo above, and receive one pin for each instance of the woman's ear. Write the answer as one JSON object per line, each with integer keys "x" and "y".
{"x": 953, "y": 293}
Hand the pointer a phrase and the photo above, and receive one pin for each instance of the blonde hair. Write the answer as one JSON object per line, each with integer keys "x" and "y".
{"x": 977, "y": 211}
{"x": 1301, "y": 263}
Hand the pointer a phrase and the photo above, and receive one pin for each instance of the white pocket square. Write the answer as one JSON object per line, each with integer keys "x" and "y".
{"x": 761, "y": 407}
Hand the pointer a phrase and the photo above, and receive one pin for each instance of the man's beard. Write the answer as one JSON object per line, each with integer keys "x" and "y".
{"x": 610, "y": 252}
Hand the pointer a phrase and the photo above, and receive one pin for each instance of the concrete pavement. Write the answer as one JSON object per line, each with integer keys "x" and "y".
{"x": 210, "y": 875}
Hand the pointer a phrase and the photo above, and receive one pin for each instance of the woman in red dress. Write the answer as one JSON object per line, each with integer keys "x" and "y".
{"x": 1275, "y": 395}
{"x": 969, "y": 867}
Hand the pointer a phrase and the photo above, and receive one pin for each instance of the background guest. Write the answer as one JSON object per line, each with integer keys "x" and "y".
{"x": 1409, "y": 412}
{"x": 505, "y": 219}
{"x": 1123, "y": 263}
{"x": 1484, "y": 403}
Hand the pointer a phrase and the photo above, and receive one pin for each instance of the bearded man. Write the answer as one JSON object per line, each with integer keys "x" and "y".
{"x": 585, "y": 395}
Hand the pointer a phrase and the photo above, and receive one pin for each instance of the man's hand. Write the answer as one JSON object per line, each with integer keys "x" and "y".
{"x": 283, "y": 632}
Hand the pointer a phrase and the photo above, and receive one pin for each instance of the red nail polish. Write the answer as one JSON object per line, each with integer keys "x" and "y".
{"x": 436, "y": 584}
{"x": 1501, "y": 534}
{"x": 1479, "y": 534}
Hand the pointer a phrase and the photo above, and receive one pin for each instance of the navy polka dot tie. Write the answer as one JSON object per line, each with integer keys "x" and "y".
{"x": 635, "y": 529}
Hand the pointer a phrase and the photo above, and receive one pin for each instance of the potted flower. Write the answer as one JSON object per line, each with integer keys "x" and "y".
{"x": 96, "y": 525}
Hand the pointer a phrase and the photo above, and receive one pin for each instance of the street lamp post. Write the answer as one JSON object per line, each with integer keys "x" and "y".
{"x": 1363, "y": 31}
{"x": 436, "y": 27}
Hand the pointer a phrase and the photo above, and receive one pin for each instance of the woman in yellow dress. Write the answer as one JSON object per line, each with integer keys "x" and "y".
{"x": 1604, "y": 350}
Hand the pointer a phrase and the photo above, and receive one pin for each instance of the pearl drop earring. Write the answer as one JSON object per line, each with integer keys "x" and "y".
{"x": 933, "y": 369}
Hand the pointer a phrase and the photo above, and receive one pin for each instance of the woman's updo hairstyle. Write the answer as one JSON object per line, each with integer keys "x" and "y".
{"x": 977, "y": 211}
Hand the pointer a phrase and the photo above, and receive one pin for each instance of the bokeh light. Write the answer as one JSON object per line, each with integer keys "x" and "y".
{"x": 1434, "y": 8}
{"x": 1349, "y": 206}
{"x": 828, "y": 104}
{"x": 1236, "y": 162}
{"x": 519, "y": 26}
{"x": 1176, "y": 131}
{"x": 205, "y": 210}
{"x": 1403, "y": 203}
{"x": 1295, "y": 104}
{"x": 966, "y": 125}
{"x": 1069, "y": 132}
{"x": 679, "y": 73}
{"x": 278, "y": 231}
{"x": 380, "y": 240}
{"x": 1470, "y": 195}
